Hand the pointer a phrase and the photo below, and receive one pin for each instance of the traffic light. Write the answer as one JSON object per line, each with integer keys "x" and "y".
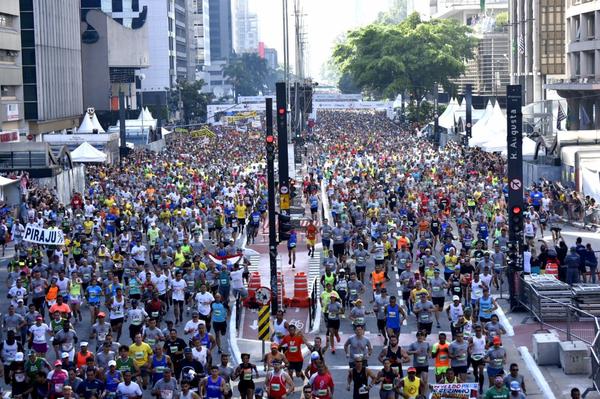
{"x": 285, "y": 226}
{"x": 270, "y": 145}
{"x": 515, "y": 223}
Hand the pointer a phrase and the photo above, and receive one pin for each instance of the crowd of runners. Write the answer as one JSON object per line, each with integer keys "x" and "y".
{"x": 152, "y": 248}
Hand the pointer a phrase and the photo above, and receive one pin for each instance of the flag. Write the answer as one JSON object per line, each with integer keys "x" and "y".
{"x": 482, "y": 5}
{"x": 584, "y": 118}
{"x": 521, "y": 44}
{"x": 561, "y": 117}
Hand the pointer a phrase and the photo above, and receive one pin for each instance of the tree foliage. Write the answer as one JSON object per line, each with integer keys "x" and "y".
{"x": 393, "y": 16}
{"x": 248, "y": 74}
{"x": 188, "y": 97}
{"x": 385, "y": 60}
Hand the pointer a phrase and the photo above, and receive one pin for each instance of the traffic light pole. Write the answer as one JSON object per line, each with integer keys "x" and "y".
{"x": 270, "y": 147}
{"x": 514, "y": 141}
{"x": 468, "y": 113}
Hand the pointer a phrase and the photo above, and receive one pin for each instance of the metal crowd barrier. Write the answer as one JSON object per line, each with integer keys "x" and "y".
{"x": 560, "y": 315}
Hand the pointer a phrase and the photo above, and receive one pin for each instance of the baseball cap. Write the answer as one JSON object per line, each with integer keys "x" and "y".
{"x": 19, "y": 357}
{"x": 497, "y": 340}
{"x": 314, "y": 355}
{"x": 64, "y": 355}
{"x": 456, "y": 298}
{"x": 187, "y": 350}
{"x": 58, "y": 363}
{"x": 111, "y": 363}
{"x": 412, "y": 370}
{"x": 101, "y": 314}
{"x": 39, "y": 318}
{"x": 83, "y": 343}
{"x": 515, "y": 386}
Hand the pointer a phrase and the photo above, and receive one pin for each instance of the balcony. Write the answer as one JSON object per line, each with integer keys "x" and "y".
{"x": 10, "y": 39}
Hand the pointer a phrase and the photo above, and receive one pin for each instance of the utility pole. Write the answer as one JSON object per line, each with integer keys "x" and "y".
{"x": 436, "y": 134}
{"x": 270, "y": 147}
{"x": 122, "y": 136}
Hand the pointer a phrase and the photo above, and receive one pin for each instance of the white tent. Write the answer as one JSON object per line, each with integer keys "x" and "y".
{"x": 87, "y": 153}
{"x": 479, "y": 126}
{"x": 446, "y": 119}
{"x": 89, "y": 123}
{"x": 145, "y": 115}
{"x": 499, "y": 143}
{"x": 494, "y": 126}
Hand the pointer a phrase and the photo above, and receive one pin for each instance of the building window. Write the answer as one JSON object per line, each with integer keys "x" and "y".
{"x": 117, "y": 5}
{"x": 8, "y": 57}
{"x": 5, "y": 21}
{"x": 8, "y": 92}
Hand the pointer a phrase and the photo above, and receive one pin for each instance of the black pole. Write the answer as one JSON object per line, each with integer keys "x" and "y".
{"x": 514, "y": 139}
{"x": 282, "y": 134}
{"x": 122, "y": 144}
{"x": 436, "y": 119}
{"x": 468, "y": 116}
{"x": 271, "y": 204}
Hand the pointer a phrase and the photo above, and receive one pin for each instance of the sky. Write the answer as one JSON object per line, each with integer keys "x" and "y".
{"x": 324, "y": 21}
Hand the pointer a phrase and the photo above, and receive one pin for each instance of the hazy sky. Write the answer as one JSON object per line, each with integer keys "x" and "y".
{"x": 324, "y": 20}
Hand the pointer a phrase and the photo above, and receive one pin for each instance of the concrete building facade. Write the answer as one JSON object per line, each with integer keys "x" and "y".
{"x": 537, "y": 35}
{"x": 581, "y": 85}
{"x": 12, "y": 121}
{"x": 51, "y": 64}
{"x": 198, "y": 37}
{"x": 114, "y": 49}
{"x": 245, "y": 39}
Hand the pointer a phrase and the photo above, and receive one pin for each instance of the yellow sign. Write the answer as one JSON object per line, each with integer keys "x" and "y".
{"x": 264, "y": 323}
{"x": 284, "y": 201}
{"x": 204, "y": 132}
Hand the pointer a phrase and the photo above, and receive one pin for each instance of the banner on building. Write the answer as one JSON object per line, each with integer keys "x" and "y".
{"x": 43, "y": 236}
{"x": 454, "y": 391}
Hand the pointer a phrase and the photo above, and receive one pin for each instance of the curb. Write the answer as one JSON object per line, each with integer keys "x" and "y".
{"x": 536, "y": 373}
{"x": 236, "y": 355}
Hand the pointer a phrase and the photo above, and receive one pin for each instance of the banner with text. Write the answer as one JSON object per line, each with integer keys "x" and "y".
{"x": 43, "y": 236}
{"x": 454, "y": 391}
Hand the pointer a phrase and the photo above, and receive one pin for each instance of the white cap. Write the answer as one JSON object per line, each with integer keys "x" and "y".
{"x": 19, "y": 357}
{"x": 456, "y": 298}
{"x": 83, "y": 343}
{"x": 112, "y": 363}
{"x": 314, "y": 355}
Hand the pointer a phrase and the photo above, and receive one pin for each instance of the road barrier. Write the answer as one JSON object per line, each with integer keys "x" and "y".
{"x": 300, "y": 298}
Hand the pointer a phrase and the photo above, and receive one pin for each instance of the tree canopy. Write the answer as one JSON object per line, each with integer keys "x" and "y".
{"x": 248, "y": 74}
{"x": 385, "y": 60}
{"x": 193, "y": 102}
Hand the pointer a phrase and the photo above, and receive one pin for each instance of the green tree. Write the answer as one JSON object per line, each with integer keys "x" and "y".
{"x": 347, "y": 85}
{"x": 393, "y": 16}
{"x": 187, "y": 96}
{"x": 248, "y": 74}
{"x": 412, "y": 56}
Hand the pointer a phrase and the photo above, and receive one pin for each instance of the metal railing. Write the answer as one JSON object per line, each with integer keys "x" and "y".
{"x": 562, "y": 316}
{"x": 312, "y": 306}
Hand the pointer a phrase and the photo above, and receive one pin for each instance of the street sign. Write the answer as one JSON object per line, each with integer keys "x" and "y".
{"x": 515, "y": 184}
{"x": 284, "y": 190}
{"x": 264, "y": 317}
{"x": 263, "y": 296}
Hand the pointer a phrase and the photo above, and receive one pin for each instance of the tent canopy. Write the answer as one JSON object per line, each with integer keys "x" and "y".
{"x": 87, "y": 153}
{"x": 4, "y": 181}
{"x": 494, "y": 126}
{"x": 89, "y": 123}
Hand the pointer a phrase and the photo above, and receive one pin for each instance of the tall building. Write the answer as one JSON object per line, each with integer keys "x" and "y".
{"x": 580, "y": 86}
{"x": 168, "y": 48}
{"x": 537, "y": 35}
{"x": 245, "y": 28}
{"x": 220, "y": 30}
{"x": 271, "y": 58}
{"x": 11, "y": 75}
{"x": 51, "y": 61}
{"x": 198, "y": 37}
{"x": 488, "y": 71}
{"x": 114, "y": 49}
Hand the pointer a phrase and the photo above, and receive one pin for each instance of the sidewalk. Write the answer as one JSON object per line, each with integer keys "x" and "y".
{"x": 559, "y": 383}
